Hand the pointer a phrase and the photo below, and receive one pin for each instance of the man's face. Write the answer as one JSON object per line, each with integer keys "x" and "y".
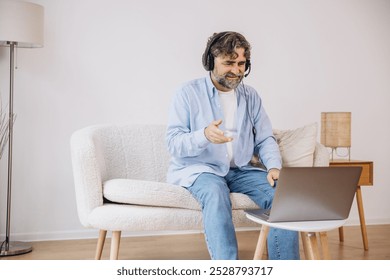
{"x": 228, "y": 71}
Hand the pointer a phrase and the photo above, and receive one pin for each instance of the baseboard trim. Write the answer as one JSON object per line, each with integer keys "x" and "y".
{"x": 86, "y": 234}
{"x": 53, "y": 235}
{"x": 93, "y": 233}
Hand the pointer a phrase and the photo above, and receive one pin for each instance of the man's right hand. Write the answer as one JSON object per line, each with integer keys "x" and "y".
{"x": 215, "y": 135}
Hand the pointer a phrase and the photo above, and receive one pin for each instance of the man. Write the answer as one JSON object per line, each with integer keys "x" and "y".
{"x": 216, "y": 127}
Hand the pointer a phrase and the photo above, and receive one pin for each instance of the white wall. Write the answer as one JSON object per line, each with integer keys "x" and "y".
{"x": 118, "y": 61}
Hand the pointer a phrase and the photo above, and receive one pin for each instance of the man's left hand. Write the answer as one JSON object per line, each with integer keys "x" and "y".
{"x": 273, "y": 174}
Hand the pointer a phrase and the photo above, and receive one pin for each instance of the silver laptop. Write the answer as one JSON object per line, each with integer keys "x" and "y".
{"x": 312, "y": 194}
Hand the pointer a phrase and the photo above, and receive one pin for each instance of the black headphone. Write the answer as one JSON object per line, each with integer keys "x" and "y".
{"x": 208, "y": 58}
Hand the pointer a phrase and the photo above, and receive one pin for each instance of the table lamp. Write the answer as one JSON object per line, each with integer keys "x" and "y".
{"x": 336, "y": 131}
{"x": 21, "y": 26}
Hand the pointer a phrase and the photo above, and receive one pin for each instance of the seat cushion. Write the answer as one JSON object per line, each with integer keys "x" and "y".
{"x": 150, "y": 193}
{"x": 140, "y": 219}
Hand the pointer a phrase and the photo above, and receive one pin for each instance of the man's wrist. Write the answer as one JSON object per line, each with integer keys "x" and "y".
{"x": 274, "y": 168}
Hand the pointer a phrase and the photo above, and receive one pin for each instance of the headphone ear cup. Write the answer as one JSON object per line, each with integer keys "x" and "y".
{"x": 210, "y": 62}
{"x": 205, "y": 59}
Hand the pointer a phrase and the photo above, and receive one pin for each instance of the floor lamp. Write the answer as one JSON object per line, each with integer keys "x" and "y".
{"x": 21, "y": 26}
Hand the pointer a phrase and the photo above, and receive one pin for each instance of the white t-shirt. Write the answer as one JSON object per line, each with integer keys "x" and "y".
{"x": 229, "y": 107}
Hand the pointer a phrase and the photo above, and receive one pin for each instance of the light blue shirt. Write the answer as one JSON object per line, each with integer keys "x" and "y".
{"x": 195, "y": 105}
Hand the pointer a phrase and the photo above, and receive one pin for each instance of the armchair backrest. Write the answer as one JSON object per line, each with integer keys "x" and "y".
{"x": 132, "y": 152}
{"x": 139, "y": 151}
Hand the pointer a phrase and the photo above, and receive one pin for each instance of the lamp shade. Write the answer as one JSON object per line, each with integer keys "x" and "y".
{"x": 336, "y": 129}
{"x": 21, "y": 23}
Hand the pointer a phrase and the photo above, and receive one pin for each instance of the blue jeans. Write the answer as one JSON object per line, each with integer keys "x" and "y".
{"x": 213, "y": 193}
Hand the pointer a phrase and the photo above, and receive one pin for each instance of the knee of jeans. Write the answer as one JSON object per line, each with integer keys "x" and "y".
{"x": 266, "y": 201}
{"x": 215, "y": 199}
{"x": 218, "y": 196}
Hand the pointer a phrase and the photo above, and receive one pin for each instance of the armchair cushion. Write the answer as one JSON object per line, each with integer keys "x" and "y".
{"x": 297, "y": 146}
{"x": 149, "y": 193}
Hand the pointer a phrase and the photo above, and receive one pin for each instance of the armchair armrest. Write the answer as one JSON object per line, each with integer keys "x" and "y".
{"x": 86, "y": 172}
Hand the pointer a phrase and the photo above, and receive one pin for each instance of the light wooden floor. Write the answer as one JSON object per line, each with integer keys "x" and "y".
{"x": 193, "y": 247}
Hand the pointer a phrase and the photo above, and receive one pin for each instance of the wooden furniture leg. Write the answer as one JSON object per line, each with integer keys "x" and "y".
{"x": 310, "y": 245}
{"x": 100, "y": 244}
{"x": 115, "y": 241}
{"x": 314, "y": 245}
{"x": 324, "y": 245}
{"x": 341, "y": 234}
{"x": 359, "y": 200}
{"x": 304, "y": 245}
{"x": 261, "y": 243}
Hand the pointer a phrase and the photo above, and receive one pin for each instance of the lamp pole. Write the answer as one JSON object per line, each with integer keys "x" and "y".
{"x": 11, "y": 248}
{"x": 10, "y": 138}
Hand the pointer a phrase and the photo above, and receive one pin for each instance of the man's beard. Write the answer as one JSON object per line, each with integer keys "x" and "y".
{"x": 226, "y": 82}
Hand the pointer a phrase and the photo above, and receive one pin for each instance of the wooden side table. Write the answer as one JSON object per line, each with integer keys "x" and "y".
{"x": 366, "y": 179}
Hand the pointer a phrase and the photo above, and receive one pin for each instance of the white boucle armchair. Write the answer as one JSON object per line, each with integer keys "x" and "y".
{"x": 119, "y": 174}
